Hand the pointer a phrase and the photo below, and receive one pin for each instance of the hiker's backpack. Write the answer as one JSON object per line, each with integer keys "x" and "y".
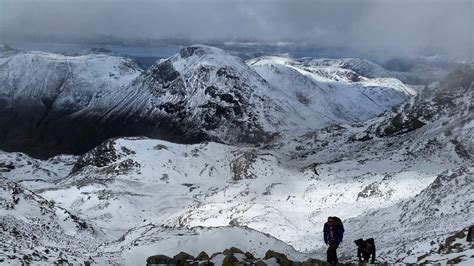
{"x": 338, "y": 222}
{"x": 340, "y": 227}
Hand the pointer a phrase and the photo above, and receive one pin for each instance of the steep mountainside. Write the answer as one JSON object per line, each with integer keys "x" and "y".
{"x": 330, "y": 95}
{"x": 440, "y": 121}
{"x": 451, "y": 99}
{"x": 35, "y": 229}
{"x": 439, "y": 210}
{"x": 202, "y": 93}
{"x": 45, "y": 99}
{"x": 420, "y": 71}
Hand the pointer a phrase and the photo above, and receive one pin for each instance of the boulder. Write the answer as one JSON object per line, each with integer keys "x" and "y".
{"x": 232, "y": 250}
{"x": 280, "y": 257}
{"x": 202, "y": 256}
{"x": 183, "y": 258}
{"x": 249, "y": 255}
{"x": 230, "y": 260}
{"x": 158, "y": 259}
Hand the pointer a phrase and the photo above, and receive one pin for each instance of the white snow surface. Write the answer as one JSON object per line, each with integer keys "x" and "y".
{"x": 74, "y": 80}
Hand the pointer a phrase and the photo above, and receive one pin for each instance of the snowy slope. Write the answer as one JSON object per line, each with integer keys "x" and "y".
{"x": 449, "y": 100}
{"x": 439, "y": 210}
{"x": 43, "y": 94}
{"x": 35, "y": 229}
{"x": 420, "y": 71}
{"x": 139, "y": 243}
{"x": 455, "y": 249}
{"x": 444, "y": 131}
{"x": 22, "y": 169}
{"x": 330, "y": 95}
{"x": 363, "y": 67}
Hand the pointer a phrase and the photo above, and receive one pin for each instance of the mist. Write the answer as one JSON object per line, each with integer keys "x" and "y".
{"x": 391, "y": 28}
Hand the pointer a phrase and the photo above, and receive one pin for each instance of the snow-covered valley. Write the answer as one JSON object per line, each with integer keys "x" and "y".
{"x": 278, "y": 145}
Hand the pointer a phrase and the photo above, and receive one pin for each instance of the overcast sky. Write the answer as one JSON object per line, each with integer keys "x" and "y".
{"x": 395, "y": 27}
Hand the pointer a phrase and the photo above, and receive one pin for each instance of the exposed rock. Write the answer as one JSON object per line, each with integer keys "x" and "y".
{"x": 455, "y": 260}
{"x": 452, "y": 244}
{"x": 100, "y": 156}
{"x": 159, "y": 259}
{"x": 183, "y": 256}
{"x": 202, "y": 256}
{"x": 372, "y": 190}
{"x": 241, "y": 167}
{"x": 470, "y": 234}
{"x": 450, "y": 97}
{"x": 249, "y": 255}
{"x": 280, "y": 257}
{"x": 230, "y": 260}
{"x": 6, "y": 167}
{"x": 232, "y": 250}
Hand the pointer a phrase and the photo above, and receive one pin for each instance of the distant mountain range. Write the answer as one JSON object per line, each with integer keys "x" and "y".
{"x": 202, "y": 93}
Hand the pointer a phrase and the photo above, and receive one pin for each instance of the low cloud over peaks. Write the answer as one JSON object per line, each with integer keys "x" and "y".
{"x": 392, "y": 27}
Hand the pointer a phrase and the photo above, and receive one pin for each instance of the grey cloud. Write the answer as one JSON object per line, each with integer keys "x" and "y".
{"x": 391, "y": 27}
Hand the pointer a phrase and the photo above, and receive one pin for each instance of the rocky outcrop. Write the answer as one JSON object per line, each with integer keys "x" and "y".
{"x": 470, "y": 234}
{"x": 454, "y": 95}
{"x": 232, "y": 257}
{"x": 452, "y": 251}
{"x": 36, "y": 230}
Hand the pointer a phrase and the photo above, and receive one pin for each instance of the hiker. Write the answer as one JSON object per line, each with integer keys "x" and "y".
{"x": 333, "y": 233}
{"x": 365, "y": 249}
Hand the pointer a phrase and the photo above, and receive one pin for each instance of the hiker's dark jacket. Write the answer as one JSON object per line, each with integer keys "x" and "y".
{"x": 338, "y": 233}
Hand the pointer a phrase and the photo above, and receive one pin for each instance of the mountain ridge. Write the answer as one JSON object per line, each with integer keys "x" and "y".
{"x": 201, "y": 93}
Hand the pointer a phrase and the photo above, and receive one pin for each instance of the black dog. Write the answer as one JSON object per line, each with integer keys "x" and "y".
{"x": 365, "y": 248}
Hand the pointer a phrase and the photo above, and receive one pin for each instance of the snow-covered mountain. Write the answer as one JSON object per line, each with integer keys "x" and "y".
{"x": 410, "y": 187}
{"x": 420, "y": 71}
{"x": 330, "y": 95}
{"x": 45, "y": 97}
{"x": 202, "y": 93}
{"x": 449, "y": 100}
